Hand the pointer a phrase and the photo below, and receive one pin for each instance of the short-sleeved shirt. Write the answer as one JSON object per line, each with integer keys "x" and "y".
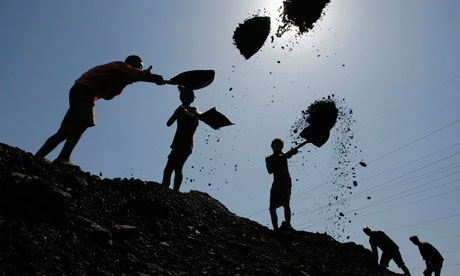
{"x": 108, "y": 80}
{"x": 429, "y": 253}
{"x": 186, "y": 127}
{"x": 381, "y": 240}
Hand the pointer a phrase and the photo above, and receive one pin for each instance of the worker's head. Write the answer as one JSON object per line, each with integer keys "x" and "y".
{"x": 277, "y": 145}
{"x": 135, "y": 61}
{"x": 415, "y": 240}
{"x": 367, "y": 230}
{"x": 187, "y": 96}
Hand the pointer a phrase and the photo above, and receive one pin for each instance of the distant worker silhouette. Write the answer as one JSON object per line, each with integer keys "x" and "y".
{"x": 103, "y": 81}
{"x": 280, "y": 192}
{"x": 389, "y": 249}
{"x": 182, "y": 145}
{"x": 431, "y": 255}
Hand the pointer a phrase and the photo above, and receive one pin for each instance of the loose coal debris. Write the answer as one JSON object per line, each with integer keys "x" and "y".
{"x": 250, "y": 35}
{"x": 58, "y": 220}
{"x": 334, "y": 113}
{"x": 301, "y": 14}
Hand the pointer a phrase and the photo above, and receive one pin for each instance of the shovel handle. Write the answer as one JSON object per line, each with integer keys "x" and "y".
{"x": 300, "y": 145}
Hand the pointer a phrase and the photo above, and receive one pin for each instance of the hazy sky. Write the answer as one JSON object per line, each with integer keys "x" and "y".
{"x": 394, "y": 63}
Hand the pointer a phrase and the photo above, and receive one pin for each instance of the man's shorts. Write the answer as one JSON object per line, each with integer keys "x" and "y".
{"x": 81, "y": 108}
{"x": 178, "y": 156}
{"x": 280, "y": 193}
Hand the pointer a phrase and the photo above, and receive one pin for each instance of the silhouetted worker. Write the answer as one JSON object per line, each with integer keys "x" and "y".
{"x": 103, "y": 81}
{"x": 280, "y": 193}
{"x": 389, "y": 249}
{"x": 431, "y": 255}
{"x": 182, "y": 145}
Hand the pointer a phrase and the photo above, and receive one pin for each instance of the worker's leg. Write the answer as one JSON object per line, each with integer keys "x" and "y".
{"x": 51, "y": 144}
{"x": 167, "y": 172}
{"x": 178, "y": 176}
{"x": 385, "y": 259}
{"x": 274, "y": 217}
{"x": 437, "y": 269}
{"x": 72, "y": 140}
{"x": 287, "y": 213}
{"x": 397, "y": 258}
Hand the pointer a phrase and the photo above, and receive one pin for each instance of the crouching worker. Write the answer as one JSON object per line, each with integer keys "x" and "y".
{"x": 378, "y": 239}
{"x": 280, "y": 193}
{"x": 431, "y": 255}
{"x": 182, "y": 145}
{"x": 103, "y": 81}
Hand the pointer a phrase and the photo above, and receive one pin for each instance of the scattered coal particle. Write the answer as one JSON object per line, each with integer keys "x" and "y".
{"x": 355, "y": 183}
{"x": 230, "y": 89}
{"x": 341, "y": 214}
{"x": 369, "y": 197}
{"x": 250, "y": 36}
{"x": 301, "y": 14}
{"x": 363, "y": 164}
{"x": 342, "y": 168}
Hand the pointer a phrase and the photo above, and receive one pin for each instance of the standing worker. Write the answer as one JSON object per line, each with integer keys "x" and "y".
{"x": 378, "y": 239}
{"x": 280, "y": 193}
{"x": 103, "y": 81}
{"x": 182, "y": 145}
{"x": 431, "y": 255}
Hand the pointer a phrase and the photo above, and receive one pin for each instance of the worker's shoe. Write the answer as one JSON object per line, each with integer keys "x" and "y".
{"x": 66, "y": 163}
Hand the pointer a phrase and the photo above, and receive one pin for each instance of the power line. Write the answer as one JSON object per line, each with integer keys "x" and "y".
{"x": 415, "y": 224}
{"x": 414, "y": 141}
{"x": 307, "y": 212}
{"x": 411, "y": 162}
{"x": 412, "y": 100}
{"x": 417, "y": 119}
{"x": 322, "y": 221}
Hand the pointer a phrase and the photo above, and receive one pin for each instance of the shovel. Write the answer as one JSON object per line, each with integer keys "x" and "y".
{"x": 195, "y": 79}
{"x": 315, "y": 134}
{"x": 215, "y": 119}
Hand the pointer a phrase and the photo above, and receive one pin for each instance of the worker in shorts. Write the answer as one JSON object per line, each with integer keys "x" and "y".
{"x": 101, "y": 82}
{"x": 186, "y": 117}
{"x": 280, "y": 192}
{"x": 378, "y": 239}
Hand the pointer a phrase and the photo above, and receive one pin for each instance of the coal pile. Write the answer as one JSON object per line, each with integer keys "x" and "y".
{"x": 250, "y": 35}
{"x": 57, "y": 220}
{"x": 301, "y": 15}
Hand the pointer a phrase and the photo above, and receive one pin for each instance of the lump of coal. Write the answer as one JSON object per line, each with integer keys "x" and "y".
{"x": 300, "y": 13}
{"x": 363, "y": 164}
{"x": 250, "y": 36}
{"x": 323, "y": 112}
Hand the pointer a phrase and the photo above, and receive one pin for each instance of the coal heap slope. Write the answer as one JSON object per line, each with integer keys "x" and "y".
{"x": 57, "y": 220}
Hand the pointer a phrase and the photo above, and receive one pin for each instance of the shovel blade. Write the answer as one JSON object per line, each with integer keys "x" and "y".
{"x": 316, "y": 135}
{"x": 195, "y": 79}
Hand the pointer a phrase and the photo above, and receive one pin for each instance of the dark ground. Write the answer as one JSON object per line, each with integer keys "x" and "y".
{"x": 60, "y": 221}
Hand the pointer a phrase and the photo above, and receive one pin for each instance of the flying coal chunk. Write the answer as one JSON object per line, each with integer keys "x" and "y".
{"x": 301, "y": 14}
{"x": 250, "y": 36}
